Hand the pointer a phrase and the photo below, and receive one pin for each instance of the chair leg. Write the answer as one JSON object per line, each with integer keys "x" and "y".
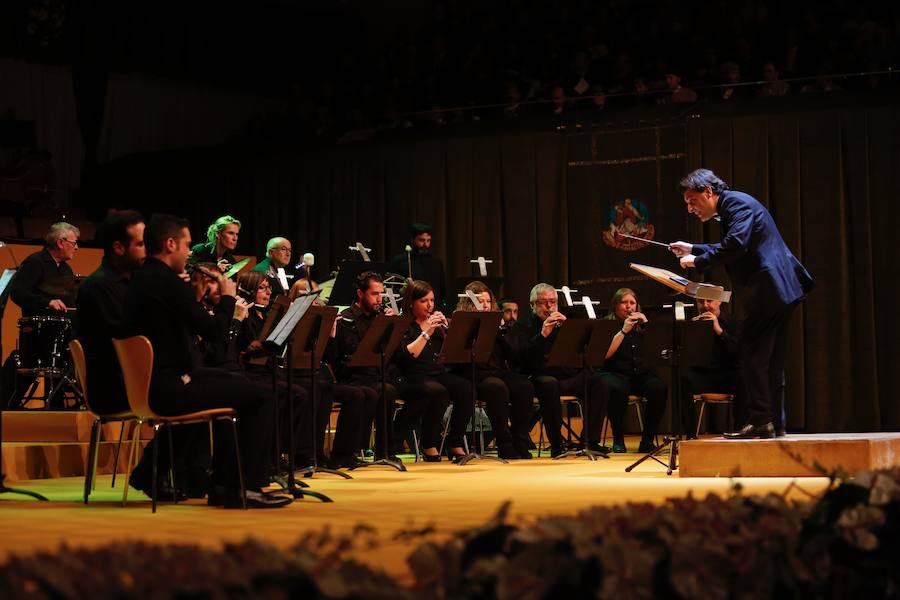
{"x": 155, "y": 470}
{"x": 581, "y": 438}
{"x": 118, "y": 449}
{"x": 89, "y": 462}
{"x": 446, "y": 429}
{"x": 604, "y": 430}
{"x": 700, "y": 418}
{"x": 640, "y": 416}
{"x": 237, "y": 456}
{"x": 540, "y": 437}
{"x": 415, "y": 444}
{"x": 172, "y": 464}
{"x": 132, "y": 458}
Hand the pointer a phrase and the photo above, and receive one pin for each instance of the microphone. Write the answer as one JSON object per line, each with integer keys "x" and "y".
{"x": 408, "y": 249}
{"x": 309, "y": 259}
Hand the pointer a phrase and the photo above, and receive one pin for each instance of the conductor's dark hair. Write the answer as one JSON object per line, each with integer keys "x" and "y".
{"x": 418, "y": 228}
{"x": 414, "y": 290}
{"x": 161, "y": 228}
{"x": 699, "y": 180}
{"x": 114, "y": 228}
{"x": 365, "y": 279}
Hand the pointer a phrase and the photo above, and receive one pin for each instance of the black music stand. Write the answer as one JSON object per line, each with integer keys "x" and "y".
{"x": 582, "y": 343}
{"x": 375, "y": 350}
{"x": 283, "y": 337}
{"x": 470, "y": 340}
{"x": 4, "y": 296}
{"x": 681, "y": 343}
{"x": 344, "y": 291}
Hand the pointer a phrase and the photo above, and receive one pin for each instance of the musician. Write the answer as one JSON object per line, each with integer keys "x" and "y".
{"x": 44, "y": 282}
{"x": 424, "y": 265}
{"x": 722, "y": 375}
{"x": 278, "y": 256}
{"x": 533, "y": 337}
{"x": 510, "y": 309}
{"x": 100, "y": 302}
{"x": 427, "y": 386}
{"x": 221, "y": 240}
{"x": 508, "y": 396}
{"x": 625, "y": 372}
{"x": 768, "y": 283}
{"x": 160, "y": 306}
{"x": 352, "y": 324}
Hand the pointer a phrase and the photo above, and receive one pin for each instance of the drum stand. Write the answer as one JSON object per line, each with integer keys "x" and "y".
{"x": 63, "y": 387}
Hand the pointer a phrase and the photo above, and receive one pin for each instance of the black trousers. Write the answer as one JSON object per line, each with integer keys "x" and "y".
{"x": 508, "y": 399}
{"x": 218, "y": 388}
{"x": 355, "y": 420}
{"x": 372, "y": 390}
{"x": 696, "y": 380}
{"x": 647, "y": 385}
{"x": 762, "y": 351}
{"x": 303, "y": 423}
{"x": 426, "y": 398}
{"x": 549, "y": 389}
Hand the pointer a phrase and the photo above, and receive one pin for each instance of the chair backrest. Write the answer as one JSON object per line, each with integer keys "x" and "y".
{"x": 136, "y": 359}
{"x": 76, "y": 350}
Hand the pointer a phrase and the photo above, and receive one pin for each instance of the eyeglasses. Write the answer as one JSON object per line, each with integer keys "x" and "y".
{"x": 546, "y": 302}
{"x": 283, "y": 249}
{"x": 73, "y": 242}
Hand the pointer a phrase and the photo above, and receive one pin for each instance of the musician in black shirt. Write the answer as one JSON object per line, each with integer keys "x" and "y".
{"x": 221, "y": 241}
{"x": 44, "y": 283}
{"x": 626, "y": 373}
{"x": 424, "y": 264}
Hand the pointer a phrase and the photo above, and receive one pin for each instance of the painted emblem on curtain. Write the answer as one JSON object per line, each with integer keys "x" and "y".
{"x": 630, "y": 217}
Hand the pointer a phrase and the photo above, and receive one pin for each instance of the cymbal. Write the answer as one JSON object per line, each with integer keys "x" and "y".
{"x": 59, "y": 286}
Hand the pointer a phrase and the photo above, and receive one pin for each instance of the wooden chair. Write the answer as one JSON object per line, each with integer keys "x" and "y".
{"x": 90, "y": 470}
{"x": 634, "y": 401}
{"x": 136, "y": 359}
{"x": 713, "y": 398}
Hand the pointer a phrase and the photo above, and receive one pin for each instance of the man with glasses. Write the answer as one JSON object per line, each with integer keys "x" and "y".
{"x": 534, "y": 336}
{"x": 44, "y": 282}
{"x": 278, "y": 256}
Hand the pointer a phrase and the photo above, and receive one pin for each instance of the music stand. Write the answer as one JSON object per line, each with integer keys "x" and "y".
{"x": 5, "y": 278}
{"x": 696, "y": 337}
{"x": 344, "y": 291}
{"x": 282, "y": 336}
{"x": 470, "y": 341}
{"x": 375, "y": 350}
{"x": 582, "y": 343}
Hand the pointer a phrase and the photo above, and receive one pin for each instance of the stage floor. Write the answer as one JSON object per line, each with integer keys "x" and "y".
{"x": 442, "y": 497}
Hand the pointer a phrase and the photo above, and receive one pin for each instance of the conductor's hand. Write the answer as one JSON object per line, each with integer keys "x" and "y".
{"x": 57, "y": 305}
{"x": 632, "y": 320}
{"x": 227, "y": 287}
{"x": 680, "y": 249}
{"x": 687, "y": 261}
{"x": 551, "y": 322}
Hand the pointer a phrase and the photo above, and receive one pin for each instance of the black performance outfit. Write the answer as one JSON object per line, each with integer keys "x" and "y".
{"x": 722, "y": 376}
{"x": 427, "y": 388}
{"x": 508, "y": 397}
{"x": 364, "y": 395}
{"x": 101, "y": 303}
{"x": 531, "y": 350}
{"x": 768, "y": 283}
{"x": 206, "y": 253}
{"x": 626, "y": 373}
{"x": 426, "y": 267}
{"x": 30, "y": 288}
{"x": 161, "y": 306}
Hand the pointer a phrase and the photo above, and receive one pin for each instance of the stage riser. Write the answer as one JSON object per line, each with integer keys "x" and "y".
{"x": 42, "y": 461}
{"x": 792, "y": 456}
{"x": 59, "y": 427}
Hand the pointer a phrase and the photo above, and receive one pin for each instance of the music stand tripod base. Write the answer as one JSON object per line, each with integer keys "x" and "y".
{"x": 670, "y": 442}
{"x": 10, "y": 490}
{"x": 385, "y": 462}
{"x": 591, "y": 454}
{"x": 313, "y": 469}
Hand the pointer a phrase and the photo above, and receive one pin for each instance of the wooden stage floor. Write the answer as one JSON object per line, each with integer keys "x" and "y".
{"x": 441, "y": 496}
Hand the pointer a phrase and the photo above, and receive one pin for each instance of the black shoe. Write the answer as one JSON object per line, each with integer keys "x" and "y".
{"x": 780, "y": 433}
{"x": 596, "y": 447}
{"x": 431, "y": 458}
{"x": 346, "y": 462}
{"x": 557, "y": 451}
{"x": 619, "y": 445}
{"x": 508, "y": 452}
{"x": 391, "y": 457}
{"x": 231, "y": 498}
{"x": 522, "y": 449}
{"x": 646, "y": 447}
{"x": 750, "y": 432}
{"x": 455, "y": 458}
{"x": 164, "y": 491}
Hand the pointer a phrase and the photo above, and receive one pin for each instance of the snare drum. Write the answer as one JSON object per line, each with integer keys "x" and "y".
{"x": 43, "y": 345}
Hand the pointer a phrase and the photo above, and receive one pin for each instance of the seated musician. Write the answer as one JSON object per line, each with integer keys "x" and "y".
{"x": 278, "y": 256}
{"x": 44, "y": 283}
{"x": 160, "y": 305}
{"x": 510, "y": 310}
{"x": 534, "y": 337}
{"x": 221, "y": 241}
{"x": 626, "y": 373}
{"x": 508, "y": 396}
{"x": 350, "y": 328}
{"x": 722, "y": 376}
{"x": 301, "y": 286}
{"x": 427, "y": 386}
